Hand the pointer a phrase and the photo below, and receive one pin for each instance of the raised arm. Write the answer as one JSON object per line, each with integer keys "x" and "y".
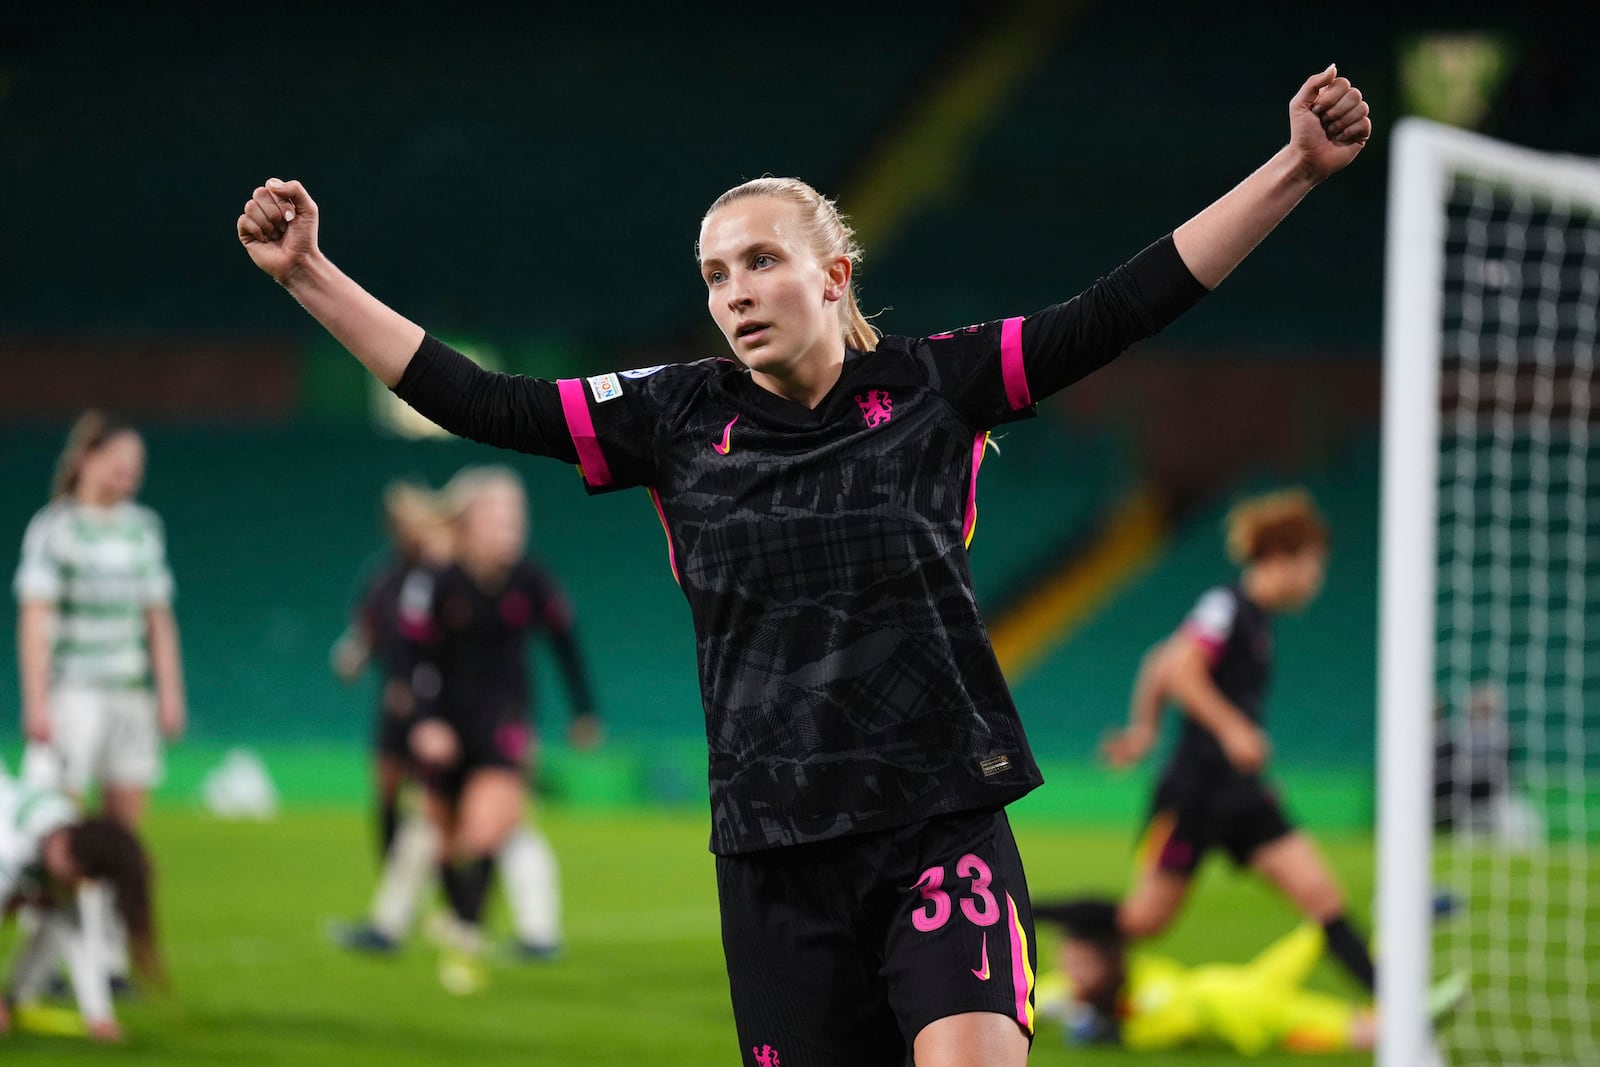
{"x": 278, "y": 228}
{"x": 1328, "y": 127}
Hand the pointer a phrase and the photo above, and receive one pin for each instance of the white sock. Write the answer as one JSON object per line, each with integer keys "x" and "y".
{"x": 528, "y": 872}
{"x": 408, "y": 870}
{"x": 37, "y": 960}
{"x": 97, "y": 898}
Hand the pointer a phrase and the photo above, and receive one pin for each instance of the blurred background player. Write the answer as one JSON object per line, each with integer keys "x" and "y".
{"x": 473, "y": 737}
{"x": 68, "y": 872}
{"x": 1147, "y": 1003}
{"x": 390, "y": 626}
{"x": 97, "y": 643}
{"x": 1211, "y": 792}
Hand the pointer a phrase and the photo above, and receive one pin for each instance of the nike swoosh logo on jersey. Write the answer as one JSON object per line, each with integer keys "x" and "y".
{"x": 725, "y": 445}
{"x": 983, "y": 974}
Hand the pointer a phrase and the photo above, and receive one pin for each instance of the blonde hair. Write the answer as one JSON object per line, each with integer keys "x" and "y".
{"x": 468, "y": 482}
{"x": 89, "y": 433}
{"x": 408, "y": 505}
{"x": 831, "y": 237}
{"x": 1281, "y": 523}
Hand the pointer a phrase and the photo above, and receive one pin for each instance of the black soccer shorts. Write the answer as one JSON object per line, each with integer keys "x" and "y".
{"x": 840, "y": 952}
{"x": 500, "y": 744}
{"x": 1188, "y": 819}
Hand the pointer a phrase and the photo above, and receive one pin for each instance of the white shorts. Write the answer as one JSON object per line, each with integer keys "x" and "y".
{"x": 105, "y": 737}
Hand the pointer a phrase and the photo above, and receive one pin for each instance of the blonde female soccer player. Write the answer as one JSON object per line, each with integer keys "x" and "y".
{"x": 391, "y": 624}
{"x": 387, "y": 629}
{"x": 817, "y": 490}
{"x": 1212, "y": 792}
{"x": 474, "y": 737}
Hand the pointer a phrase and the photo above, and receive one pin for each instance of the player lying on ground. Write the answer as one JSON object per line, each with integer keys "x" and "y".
{"x": 818, "y": 493}
{"x": 55, "y": 868}
{"x": 1106, "y": 995}
{"x": 1212, "y": 792}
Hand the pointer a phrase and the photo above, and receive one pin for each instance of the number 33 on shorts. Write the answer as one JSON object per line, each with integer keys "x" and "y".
{"x": 980, "y": 907}
{"x": 962, "y": 941}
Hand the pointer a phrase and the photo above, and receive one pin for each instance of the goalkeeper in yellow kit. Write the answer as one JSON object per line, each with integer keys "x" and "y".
{"x": 1147, "y": 1002}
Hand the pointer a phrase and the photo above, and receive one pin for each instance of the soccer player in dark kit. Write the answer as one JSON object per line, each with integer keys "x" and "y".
{"x": 818, "y": 493}
{"x": 388, "y": 624}
{"x": 1211, "y": 793}
{"x": 473, "y": 739}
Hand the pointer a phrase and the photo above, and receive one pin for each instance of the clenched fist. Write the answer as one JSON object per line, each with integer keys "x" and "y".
{"x": 278, "y": 227}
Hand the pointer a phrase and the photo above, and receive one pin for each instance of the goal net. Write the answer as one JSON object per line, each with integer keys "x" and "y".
{"x": 1489, "y": 764}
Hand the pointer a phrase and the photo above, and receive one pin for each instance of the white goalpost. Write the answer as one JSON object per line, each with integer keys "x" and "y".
{"x": 1489, "y": 657}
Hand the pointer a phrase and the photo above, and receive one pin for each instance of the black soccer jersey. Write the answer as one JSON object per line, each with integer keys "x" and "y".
{"x": 847, "y": 678}
{"x": 476, "y": 664}
{"x": 394, "y": 612}
{"x": 1236, "y": 634}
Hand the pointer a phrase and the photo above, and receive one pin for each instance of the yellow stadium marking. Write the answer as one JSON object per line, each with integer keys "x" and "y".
{"x": 1124, "y": 548}
{"x": 923, "y": 152}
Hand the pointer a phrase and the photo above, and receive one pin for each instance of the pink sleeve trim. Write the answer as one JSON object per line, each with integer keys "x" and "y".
{"x": 1211, "y": 643}
{"x": 1012, "y": 371}
{"x": 591, "y": 461}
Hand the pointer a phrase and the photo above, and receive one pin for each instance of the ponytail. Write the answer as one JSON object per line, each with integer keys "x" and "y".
{"x": 107, "y": 851}
{"x": 859, "y": 333}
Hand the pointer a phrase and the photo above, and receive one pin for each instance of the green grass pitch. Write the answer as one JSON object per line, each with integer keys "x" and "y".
{"x": 243, "y": 905}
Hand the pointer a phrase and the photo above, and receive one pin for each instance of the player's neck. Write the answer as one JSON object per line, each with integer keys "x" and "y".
{"x": 99, "y": 501}
{"x": 808, "y": 378}
{"x": 487, "y": 575}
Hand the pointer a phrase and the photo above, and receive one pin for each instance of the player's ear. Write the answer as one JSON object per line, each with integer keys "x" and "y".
{"x": 838, "y": 271}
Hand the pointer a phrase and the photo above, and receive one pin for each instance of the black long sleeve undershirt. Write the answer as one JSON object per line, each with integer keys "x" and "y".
{"x": 1071, "y": 340}
{"x": 504, "y": 410}
{"x": 580, "y": 695}
{"x": 1061, "y": 344}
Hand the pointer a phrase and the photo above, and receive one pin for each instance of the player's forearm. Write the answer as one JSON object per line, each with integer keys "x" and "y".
{"x": 1203, "y": 702}
{"x": 33, "y": 653}
{"x": 380, "y": 337}
{"x": 564, "y": 644}
{"x": 1144, "y": 707}
{"x": 166, "y": 659}
{"x": 1217, "y": 239}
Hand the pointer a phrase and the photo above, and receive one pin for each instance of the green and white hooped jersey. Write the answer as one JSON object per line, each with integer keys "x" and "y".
{"x": 100, "y": 568}
{"x": 27, "y": 817}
